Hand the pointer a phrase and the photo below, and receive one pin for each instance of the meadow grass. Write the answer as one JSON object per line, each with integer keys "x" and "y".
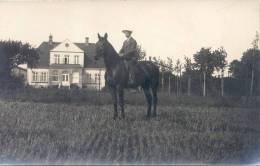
{"x": 33, "y": 132}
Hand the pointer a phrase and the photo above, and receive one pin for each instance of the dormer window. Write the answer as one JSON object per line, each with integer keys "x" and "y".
{"x": 56, "y": 59}
{"x": 66, "y": 59}
{"x": 76, "y": 59}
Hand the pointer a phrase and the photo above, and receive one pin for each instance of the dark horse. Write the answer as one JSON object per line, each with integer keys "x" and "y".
{"x": 117, "y": 75}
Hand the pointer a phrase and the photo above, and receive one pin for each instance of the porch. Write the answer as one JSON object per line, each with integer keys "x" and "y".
{"x": 65, "y": 76}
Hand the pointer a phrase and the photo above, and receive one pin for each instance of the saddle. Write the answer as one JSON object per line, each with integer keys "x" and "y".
{"x": 135, "y": 70}
{"x": 131, "y": 67}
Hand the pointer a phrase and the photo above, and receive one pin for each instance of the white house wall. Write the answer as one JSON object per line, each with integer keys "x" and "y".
{"x": 87, "y": 83}
{"x": 37, "y": 84}
{"x": 67, "y": 46}
{"x": 91, "y": 83}
{"x": 71, "y": 57}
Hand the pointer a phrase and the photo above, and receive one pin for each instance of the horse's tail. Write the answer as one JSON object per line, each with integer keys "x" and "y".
{"x": 151, "y": 70}
{"x": 155, "y": 81}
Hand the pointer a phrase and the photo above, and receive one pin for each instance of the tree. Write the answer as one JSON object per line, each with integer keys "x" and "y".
{"x": 254, "y": 58}
{"x": 235, "y": 68}
{"x": 140, "y": 53}
{"x": 204, "y": 62}
{"x": 169, "y": 65}
{"x": 247, "y": 70}
{"x": 250, "y": 65}
{"x": 14, "y": 53}
{"x": 220, "y": 64}
{"x": 162, "y": 68}
{"x": 188, "y": 66}
{"x": 177, "y": 69}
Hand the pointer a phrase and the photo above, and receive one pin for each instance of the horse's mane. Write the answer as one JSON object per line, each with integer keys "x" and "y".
{"x": 111, "y": 50}
{"x": 112, "y": 56}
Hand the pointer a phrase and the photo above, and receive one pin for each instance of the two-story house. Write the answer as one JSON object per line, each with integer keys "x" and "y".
{"x": 64, "y": 64}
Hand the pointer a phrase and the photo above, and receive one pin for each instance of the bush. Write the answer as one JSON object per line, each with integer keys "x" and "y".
{"x": 92, "y": 97}
{"x": 12, "y": 83}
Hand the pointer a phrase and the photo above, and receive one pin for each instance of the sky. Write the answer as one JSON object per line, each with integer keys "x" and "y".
{"x": 164, "y": 28}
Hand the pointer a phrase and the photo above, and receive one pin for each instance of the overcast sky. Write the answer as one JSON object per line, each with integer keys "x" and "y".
{"x": 169, "y": 28}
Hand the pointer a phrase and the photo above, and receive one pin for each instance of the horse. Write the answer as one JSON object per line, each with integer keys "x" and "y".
{"x": 117, "y": 77}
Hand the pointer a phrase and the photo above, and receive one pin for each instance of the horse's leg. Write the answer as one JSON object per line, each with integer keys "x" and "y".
{"x": 148, "y": 99}
{"x": 114, "y": 98}
{"x": 154, "y": 92}
{"x": 121, "y": 101}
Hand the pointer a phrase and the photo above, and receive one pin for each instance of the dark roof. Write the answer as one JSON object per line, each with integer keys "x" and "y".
{"x": 89, "y": 57}
{"x": 44, "y": 53}
{"x": 89, "y": 54}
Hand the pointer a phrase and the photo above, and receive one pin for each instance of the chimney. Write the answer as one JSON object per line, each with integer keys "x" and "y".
{"x": 50, "y": 40}
{"x": 86, "y": 40}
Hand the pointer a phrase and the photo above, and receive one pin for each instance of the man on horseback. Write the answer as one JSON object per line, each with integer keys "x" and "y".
{"x": 129, "y": 53}
{"x": 116, "y": 76}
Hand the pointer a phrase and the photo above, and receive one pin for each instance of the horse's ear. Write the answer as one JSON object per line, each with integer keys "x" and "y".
{"x": 99, "y": 37}
{"x": 105, "y": 36}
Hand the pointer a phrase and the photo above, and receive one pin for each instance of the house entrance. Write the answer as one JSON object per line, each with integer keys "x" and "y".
{"x": 65, "y": 79}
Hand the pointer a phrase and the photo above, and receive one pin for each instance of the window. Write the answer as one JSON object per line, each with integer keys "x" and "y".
{"x": 55, "y": 75}
{"x": 56, "y": 59}
{"x": 88, "y": 78}
{"x": 76, "y": 59}
{"x": 35, "y": 76}
{"x": 65, "y": 76}
{"x": 43, "y": 77}
{"x": 39, "y": 77}
{"x": 66, "y": 59}
{"x": 97, "y": 78}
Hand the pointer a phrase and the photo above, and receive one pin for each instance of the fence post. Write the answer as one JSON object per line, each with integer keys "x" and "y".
{"x": 252, "y": 82}
{"x": 162, "y": 81}
{"x": 99, "y": 79}
{"x": 177, "y": 85}
{"x": 169, "y": 87}
{"x": 180, "y": 83}
{"x": 222, "y": 83}
{"x": 204, "y": 84}
{"x": 189, "y": 79}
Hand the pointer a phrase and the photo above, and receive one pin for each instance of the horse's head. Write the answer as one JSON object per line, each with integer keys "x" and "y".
{"x": 101, "y": 46}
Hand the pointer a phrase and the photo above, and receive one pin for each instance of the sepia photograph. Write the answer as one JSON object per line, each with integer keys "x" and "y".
{"x": 129, "y": 82}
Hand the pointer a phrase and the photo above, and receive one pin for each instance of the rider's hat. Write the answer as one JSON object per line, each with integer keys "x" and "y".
{"x": 127, "y": 31}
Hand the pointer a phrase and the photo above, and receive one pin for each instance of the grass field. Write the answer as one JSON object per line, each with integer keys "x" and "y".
{"x": 78, "y": 133}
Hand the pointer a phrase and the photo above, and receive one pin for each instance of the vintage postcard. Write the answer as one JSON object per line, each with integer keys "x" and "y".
{"x": 128, "y": 82}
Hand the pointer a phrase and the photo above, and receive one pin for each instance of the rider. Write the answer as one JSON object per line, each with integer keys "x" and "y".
{"x": 129, "y": 52}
